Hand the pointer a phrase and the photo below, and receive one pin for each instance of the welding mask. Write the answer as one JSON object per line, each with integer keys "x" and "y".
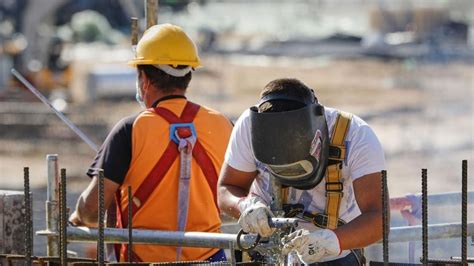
{"x": 294, "y": 144}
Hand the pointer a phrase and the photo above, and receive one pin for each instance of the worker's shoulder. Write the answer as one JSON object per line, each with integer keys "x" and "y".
{"x": 333, "y": 113}
{"x": 210, "y": 113}
{"x": 126, "y": 122}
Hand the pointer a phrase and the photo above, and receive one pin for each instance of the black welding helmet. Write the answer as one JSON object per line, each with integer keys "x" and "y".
{"x": 294, "y": 144}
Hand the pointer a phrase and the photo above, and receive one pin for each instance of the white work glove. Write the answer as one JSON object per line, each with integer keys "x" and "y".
{"x": 312, "y": 247}
{"x": 254, "y": 215}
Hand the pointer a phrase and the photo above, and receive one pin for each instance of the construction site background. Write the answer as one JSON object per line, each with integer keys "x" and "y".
{"x": 406, "y": 67}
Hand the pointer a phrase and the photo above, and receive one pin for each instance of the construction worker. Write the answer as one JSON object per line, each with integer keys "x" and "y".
{"x": 331, "y": 183}
{"x": 152, "y": 151}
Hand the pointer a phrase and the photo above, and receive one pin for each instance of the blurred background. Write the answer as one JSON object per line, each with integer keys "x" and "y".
{"x": 406, "y": 67}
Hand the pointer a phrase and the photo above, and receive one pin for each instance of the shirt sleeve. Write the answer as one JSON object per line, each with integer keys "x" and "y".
{"x": 366, "y": 155}
{"x": 239, "y": 153}
{"x": 115, "y": 154}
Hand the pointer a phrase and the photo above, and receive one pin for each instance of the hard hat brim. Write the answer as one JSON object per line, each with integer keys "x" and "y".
{"x": 136, "y": 62}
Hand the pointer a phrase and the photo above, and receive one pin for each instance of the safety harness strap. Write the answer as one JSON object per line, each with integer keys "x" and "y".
{"x": 334, "y": 186}
{"x": 154, "y": 178}
{"x": 160, "y": 169}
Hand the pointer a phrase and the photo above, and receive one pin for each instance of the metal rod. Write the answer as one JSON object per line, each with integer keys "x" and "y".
{"x": 469, "y": 260}
{"x": 424, "y": 206}
{"x": 444, "y": 199}
{"x": 28, "y": 218}
{"x": 101, "y": 213}
{"x": 385, "y": 221}
{"x": 464, "y": 214}
{"x": 58, "y": 113}
{"x": 134, "y": 31}
{"x": 151, "y": 12}
{"x": 221, "y": 240}
{"x": 435, "y": 231}
{"x": 233, "y": 261}
{"x": 63, "y": 219}
{"x": 165, "y": 238}
{"x": 130, "y": 231}
{"x": 276, "y": 204}
{"x": 52, "y": 204}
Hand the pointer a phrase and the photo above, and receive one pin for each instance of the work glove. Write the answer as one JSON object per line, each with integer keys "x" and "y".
{"x": 312, "y": 247}
{"x": 254, "y": 215}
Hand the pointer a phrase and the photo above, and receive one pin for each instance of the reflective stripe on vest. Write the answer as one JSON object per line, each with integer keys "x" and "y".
{"x": 334, "y": 186}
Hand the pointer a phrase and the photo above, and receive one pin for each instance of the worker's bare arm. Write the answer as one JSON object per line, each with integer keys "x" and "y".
{"x": 367, "y": 228}
{"x": 233, "y": 184}
{"x": 87, "y": 206}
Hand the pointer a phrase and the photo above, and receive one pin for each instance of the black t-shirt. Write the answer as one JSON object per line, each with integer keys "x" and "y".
{"x": 115, "y": 154}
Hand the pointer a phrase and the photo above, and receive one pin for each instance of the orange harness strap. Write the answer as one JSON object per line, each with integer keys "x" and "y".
{"x": 160, "y": 169}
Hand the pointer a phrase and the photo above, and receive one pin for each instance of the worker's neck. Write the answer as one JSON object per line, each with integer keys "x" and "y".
{"x": 155, "y": 95}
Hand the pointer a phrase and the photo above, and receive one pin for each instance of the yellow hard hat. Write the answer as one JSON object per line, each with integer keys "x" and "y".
{"x": 166, "y": 44}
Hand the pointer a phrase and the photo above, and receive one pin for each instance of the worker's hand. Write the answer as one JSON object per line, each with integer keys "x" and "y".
{"x": 75, "y": 219}
{"x": 254, "y": 216}
{"x": 312, "y": 247}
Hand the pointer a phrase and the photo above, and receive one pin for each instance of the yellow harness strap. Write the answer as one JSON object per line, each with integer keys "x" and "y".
{"x": 334, "y": 186}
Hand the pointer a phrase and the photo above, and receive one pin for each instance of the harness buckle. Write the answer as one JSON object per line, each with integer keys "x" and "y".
{"x": 186, "y": 129}
{"x": 334, "y": 187}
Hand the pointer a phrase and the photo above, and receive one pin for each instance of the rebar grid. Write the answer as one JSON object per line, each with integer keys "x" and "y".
{"x": 63, "y": 219}
{"x": 28, "y": 218}
{"x": 130, "y": 231}
{"x": 464, "y": 214}
{"x": 101, "y": 213}
{"x": 424, "y": 215}
{"x": 385, "y": 221}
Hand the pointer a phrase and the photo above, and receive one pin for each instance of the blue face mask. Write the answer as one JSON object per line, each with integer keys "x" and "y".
{"x": 139, "y": 97}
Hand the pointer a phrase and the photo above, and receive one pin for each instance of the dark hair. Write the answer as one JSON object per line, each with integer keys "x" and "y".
{"x": 287, "y": 87}
{"x": 166, "y": 83}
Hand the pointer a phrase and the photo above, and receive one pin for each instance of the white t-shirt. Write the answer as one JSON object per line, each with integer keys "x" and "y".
{"x": 364, "y": 155}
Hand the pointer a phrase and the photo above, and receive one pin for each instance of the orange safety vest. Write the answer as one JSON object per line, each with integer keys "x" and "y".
{"x": 154, "y": 176}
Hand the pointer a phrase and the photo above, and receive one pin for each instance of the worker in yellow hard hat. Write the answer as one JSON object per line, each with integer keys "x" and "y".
{"x": 170, "y": 153}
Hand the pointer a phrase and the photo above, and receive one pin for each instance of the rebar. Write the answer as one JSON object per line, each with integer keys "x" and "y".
{"x": 134, "y": 31}
{"x": 28, "y": 218}
{"x": 424, "y": 215}
{"x": 63, "y": 218}
{"x": 130, "y": 231}
{"x": 233, "y": 260}
{"x": 151, "y": 11}
{"x": 385, "y": 221}
{"x": 464, "y": 214}
{"x": 45, "y": 100}
{"x": 101, "y": 212}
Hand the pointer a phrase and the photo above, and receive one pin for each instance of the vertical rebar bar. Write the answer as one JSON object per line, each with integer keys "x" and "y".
{"x": 464, "y": 214}
{"x": 101, "y": 213}
{"x": 134, "y": 34}
{"x": 28, "y": 217}
{"x": 151, "y": 12}
{"x": 424, "y": 215}
{"x": 52, "y": 213}
{"x": 233, "y": 260}
{"x": 385, "y": 222}
{"x": 63, "y": 218}
{"x": 130, "y": 232}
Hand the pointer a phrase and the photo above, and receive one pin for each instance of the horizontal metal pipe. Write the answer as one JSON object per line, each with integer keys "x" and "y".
{"x": 435, "y": 231}
{"x": 166, "y": 238}
{"x": 447, "y": 198}
{"x": 221, "y": 240}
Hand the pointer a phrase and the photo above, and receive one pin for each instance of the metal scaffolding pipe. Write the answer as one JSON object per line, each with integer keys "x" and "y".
{"x": 52, "y": 212}
{"x": 221, "y": 240}
{"x": 435, "y": 231}
{"x": 166, "y": 238}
